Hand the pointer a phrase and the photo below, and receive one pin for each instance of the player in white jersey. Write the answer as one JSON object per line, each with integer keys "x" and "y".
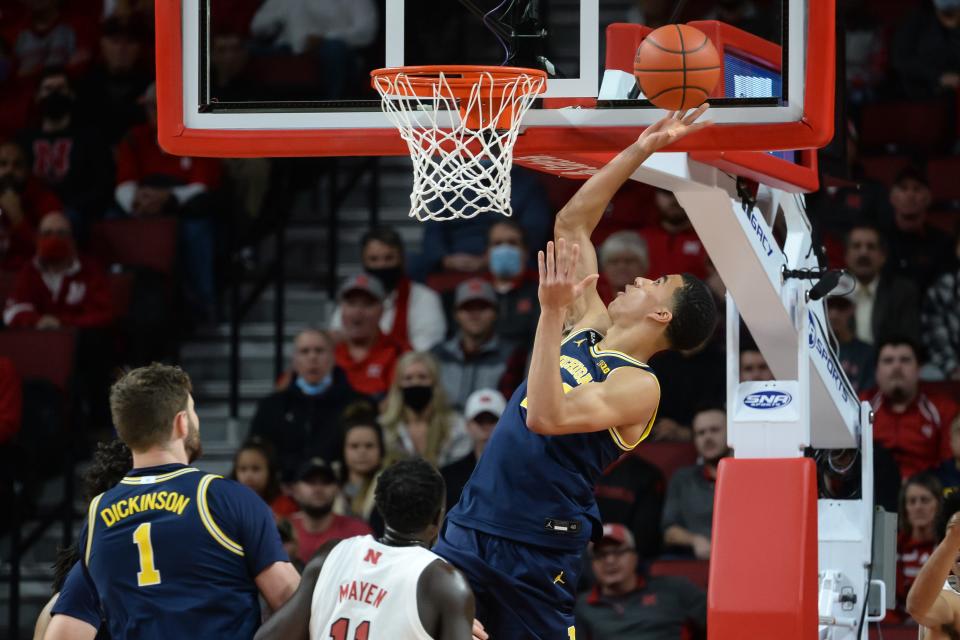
{"x": 934, "y": 597}
{"x": 394, "y": 588}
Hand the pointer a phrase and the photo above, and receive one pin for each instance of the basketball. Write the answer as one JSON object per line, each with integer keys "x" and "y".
{"x": 677, "y": 67}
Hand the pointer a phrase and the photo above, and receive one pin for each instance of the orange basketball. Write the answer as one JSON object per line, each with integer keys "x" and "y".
{"x": 677, "y": 67}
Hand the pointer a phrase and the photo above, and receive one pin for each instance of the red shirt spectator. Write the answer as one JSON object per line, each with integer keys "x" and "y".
{"x": 23, "y": 203}
{"x": 340, "y": 527}
{"x": 11, "y": 401}
{"x": 914, "y": 426}
{"x": 673, "y": 245}
{"x": 58, "y": 288}
{"x": 366, "y": 355}
{"x": 919, "y": 508}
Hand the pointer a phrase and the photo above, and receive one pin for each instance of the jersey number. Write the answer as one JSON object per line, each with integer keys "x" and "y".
{"x": 148, "y": 574}
{"x": 340, "y": 628}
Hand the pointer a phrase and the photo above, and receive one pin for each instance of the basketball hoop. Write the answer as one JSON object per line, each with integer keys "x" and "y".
{"x": 460, "y": 124}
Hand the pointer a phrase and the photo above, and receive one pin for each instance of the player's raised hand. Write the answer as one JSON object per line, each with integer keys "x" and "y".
{"x": 559, "y": 287}
{"x": 672, "y": 127}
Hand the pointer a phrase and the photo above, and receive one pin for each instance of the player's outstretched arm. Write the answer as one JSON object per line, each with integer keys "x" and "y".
{"x": 628, "y": 396}
{"x": 292, "y": 620}
{"x": 64, "y": 627}
{"x": 927, "y": 602}
{"x": 577, "y": 220}
{"x": 445, "y": 603}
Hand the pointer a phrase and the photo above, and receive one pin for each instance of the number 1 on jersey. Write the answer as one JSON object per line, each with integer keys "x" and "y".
{"x": 148, "y": 574}
{"x": 340, "y": 628}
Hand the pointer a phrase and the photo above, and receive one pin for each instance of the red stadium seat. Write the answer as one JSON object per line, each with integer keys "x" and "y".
{"x": 914, "y": 126}
{"x": 667, "y": 456}
{"x": 121, "y": 289}
{"x": 942, "y": 173}
{"x": 47, "y": 355}
{"x": 884, "y": 168}
{"x": 893, "y": 632}
{"x": 149, "y": 243}
{"x": 696, "y": 571}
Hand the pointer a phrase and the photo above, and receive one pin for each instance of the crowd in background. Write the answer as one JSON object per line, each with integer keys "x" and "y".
{"x": 423, "y": 350}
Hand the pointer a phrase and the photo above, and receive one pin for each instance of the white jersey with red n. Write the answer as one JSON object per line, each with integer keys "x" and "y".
{"x": 368, "y": 591}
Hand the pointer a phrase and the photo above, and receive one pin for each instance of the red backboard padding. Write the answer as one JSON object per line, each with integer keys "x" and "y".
{"x": 763, "y": 564}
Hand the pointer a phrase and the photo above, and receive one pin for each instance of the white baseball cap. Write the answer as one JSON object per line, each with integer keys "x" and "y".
{"x": 484, "y": 401}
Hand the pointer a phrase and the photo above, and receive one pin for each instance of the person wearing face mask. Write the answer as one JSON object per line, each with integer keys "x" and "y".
{"x": 70, "y": 158}
{"x": 412, "y": 312}
{"x": 518, "y": 307}
{"x": 417, "y": 420}
{"x": 59, "y": 288}
{"x": 925, "y": 52}
{"x": 23, "y": 202}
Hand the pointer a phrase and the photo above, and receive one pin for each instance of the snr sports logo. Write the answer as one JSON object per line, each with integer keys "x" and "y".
{"x": 768, "y": 399}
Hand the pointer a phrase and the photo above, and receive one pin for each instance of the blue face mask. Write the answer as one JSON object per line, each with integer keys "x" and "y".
{"x": 506, "y": 261}
{"x": 314, "y": 389}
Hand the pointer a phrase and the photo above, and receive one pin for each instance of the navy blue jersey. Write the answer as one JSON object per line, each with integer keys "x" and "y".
{"x": 172, "y": 552}
{"x": 538, "y": 489}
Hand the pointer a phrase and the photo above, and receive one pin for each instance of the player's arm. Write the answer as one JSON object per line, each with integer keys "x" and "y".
{"x": 292, "y": 620}
{"x": 627, "y": 397}
{"x": 277, "y": 583}
{"x": 579, "y": 217}
{"x": 64, "y": 627}
{"x": 927, "y": 603}
{"x": 445, "y": 603}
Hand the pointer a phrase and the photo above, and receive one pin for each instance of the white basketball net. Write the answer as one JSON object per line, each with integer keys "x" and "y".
{"x": 461, "y": 166}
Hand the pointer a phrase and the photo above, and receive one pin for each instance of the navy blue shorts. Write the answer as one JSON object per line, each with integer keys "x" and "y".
{"x": 523, "y": 592}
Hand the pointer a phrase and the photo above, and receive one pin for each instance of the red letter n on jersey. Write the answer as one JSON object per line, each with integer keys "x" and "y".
{"x": 373, "y": 556}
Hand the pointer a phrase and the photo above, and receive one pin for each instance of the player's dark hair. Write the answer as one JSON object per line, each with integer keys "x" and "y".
{"x": 900, "y": 341}
{"x": 386, "y": 235}
{"x": 145, "y": 401}
{"x": 410, "y": 495}
{"x": 66, "y": 557}
{"x": 112, "y": 460}
{"x": 265, "y": 449}
{"x": 694, "y": 314}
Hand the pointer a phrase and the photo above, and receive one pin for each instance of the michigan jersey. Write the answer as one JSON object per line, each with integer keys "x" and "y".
{"x": 172, "y": 552}
{"x": 538, "y": 489}
{"x": 369, "y": 590}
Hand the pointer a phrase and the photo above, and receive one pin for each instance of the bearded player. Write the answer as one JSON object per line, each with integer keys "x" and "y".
{"x": 528, "y": 511}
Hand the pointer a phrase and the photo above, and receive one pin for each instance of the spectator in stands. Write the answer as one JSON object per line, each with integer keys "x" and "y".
{"x": 886, "y": 305}
{"x": 15, "y": 93}
{"x": 50, "y": 36}
{"x": 365, "y": 353}
{"x": 315, "y": 492}
{"x": 288, "y": 538}
{"x": 925, "y": 52}
{"x": 483, "y": 409}
{"x": 918, "y": 250}
{"x": 866, "y": 52}
{"x": 940, "y": 318}
{"x": 627, "y": 604}
{"x": 412, "y": 312}
{"x": 109, "y": 95}
{"x": 417, "y": 420}
{"x": 230, "y": 76}
{"x": 151, "y": 182}
{"x": 363, "y": 453}
{"x": 69, "y": 156}
{"x": 302, "y": 420}
{"x": 24, "y": 201}
{"x": 688, "y": 510}
{"x": 255, "y": 466}
{"x": 856, "y": 356}
{"x": 920, "y": 500}
{"x": 753, "y": 366}
{"x": 948, "y": 473}
{"x": 59, "y": 288}
{"x": 11, "y": 412}
{"x": 631, "y": 493}
{"x": 673, "y": 245}
{"x": 476, "y": 357}
{"x": 913, "y": 425}
{"x": 623, "y": 258}
{"x": 331, "y": 31}
{"x": 515, "y": 286}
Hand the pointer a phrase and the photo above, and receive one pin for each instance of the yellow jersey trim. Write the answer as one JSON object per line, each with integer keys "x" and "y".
{"x": 155, "y": 479}
{"x": 574, "y": 334}
{"x": 91, "y": 522}
{"x": 207, "y": 519}
{"x": 619, "y": 354}
{"x": 618, "y": 438}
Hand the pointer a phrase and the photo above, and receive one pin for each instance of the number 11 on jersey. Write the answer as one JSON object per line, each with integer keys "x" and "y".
{"x": 148, "y": 574}
{"x": 340, "y": 628}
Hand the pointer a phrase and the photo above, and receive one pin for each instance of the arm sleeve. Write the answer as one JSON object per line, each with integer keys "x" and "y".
{"x": 248, "y": 521}
{"x": 78, "y": 598}
{"x": 671, "y": 506}
{"x": 11, "y": 401}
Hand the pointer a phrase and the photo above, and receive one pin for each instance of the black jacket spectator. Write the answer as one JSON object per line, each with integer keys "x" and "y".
{"x": 300, "y": 426}
{"x": 926, "y": 53}
{"x": 631, "y": 493}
